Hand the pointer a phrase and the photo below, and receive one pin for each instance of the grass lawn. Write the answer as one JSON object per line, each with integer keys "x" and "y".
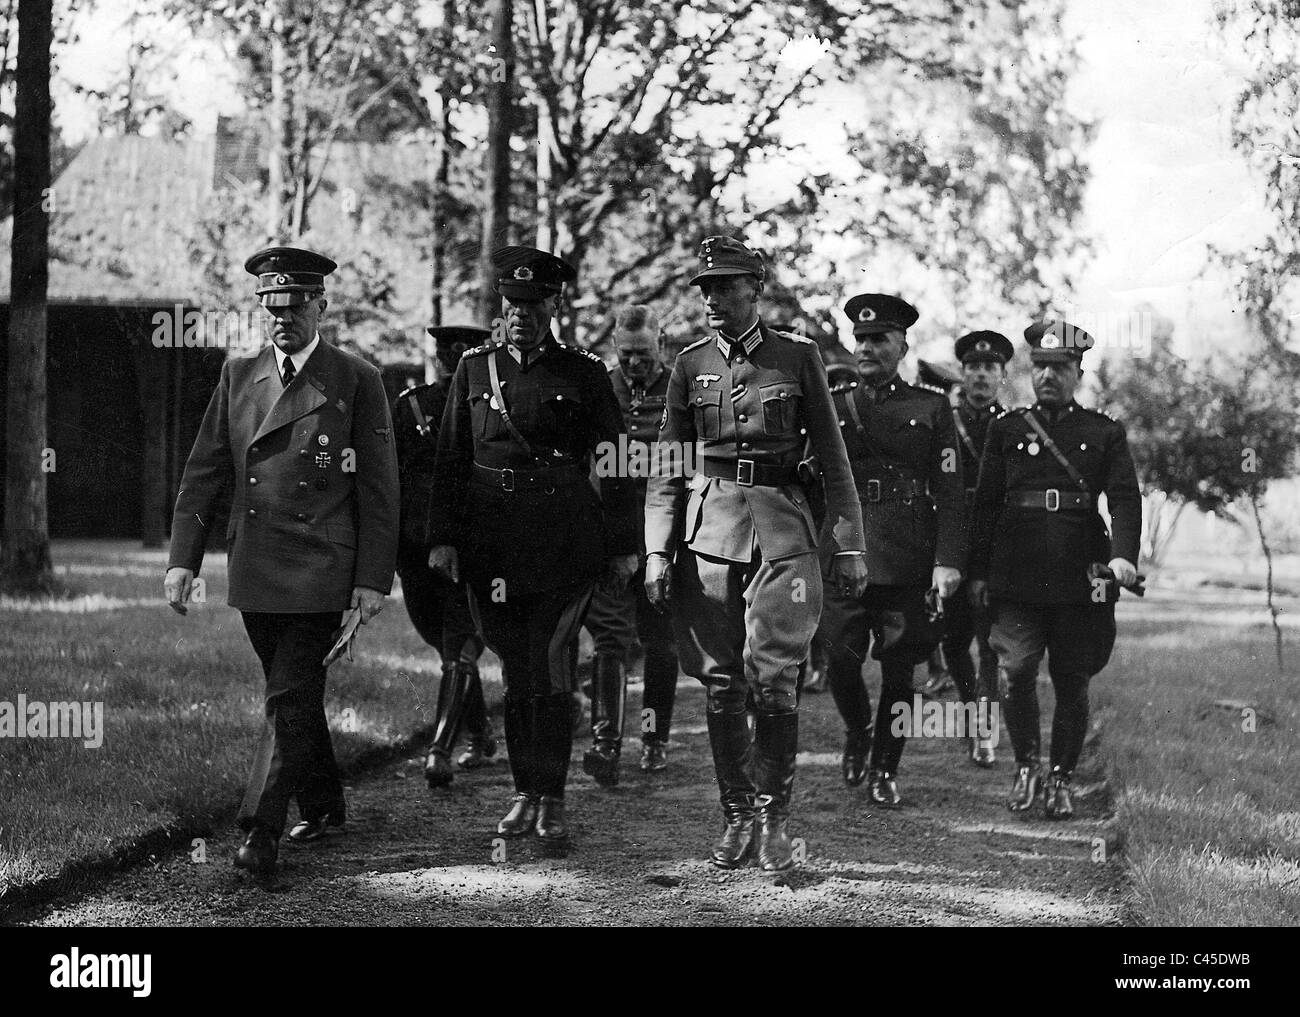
{"x": 182, "y": 702}
{"x": 1206, "y": 795}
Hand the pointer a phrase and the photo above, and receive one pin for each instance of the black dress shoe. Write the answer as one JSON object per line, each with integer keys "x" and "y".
{"x": 550, "y": 819}
{"x": 1024, "y": 792}
{"x": 883, "y": 788}
{"x": 309, "y": 830}
{"x": 737, "y": 841}
{"x": 853, "y": 764}
{"x": 478, "y": 750}
{"x": 775, "y": 852}
{"x": 1057, "y": 803}
{"x": 521, "y": 818}
{"x": 437, "y": 769}
{"x": 601, "y": 763}
{"x": 258, "y": 853}
{"x": 654, "y": 756}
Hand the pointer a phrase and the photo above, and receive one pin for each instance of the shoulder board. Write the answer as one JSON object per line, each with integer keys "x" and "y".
{"x": 844, "y": 386}
{"x": 1099, "y": 413}
{"x": 485, "y": 348}
{"x": 1014, "y": 411}
{"x": 928, "y": 388}
{"x": 793, "y": 337}
{"x": 413, "y": 389}
{"x": 698, "y": 342}
{"x": 578, "y": 349}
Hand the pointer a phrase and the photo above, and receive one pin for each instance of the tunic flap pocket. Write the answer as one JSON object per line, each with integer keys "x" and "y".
{"x": 345, "y": 535}
{"x": 560, "y": 396}
{"x": 780, "y": 406}
{"x": 706, "y": 397}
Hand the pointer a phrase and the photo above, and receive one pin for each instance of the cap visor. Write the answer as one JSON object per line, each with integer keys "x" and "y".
{"x": 1053, "y": 356}
{"x": 524, "y": 291}
{"x": 291, "y": 298}
{"x": 875, "y": 327}
{"x": 709, "y": 272}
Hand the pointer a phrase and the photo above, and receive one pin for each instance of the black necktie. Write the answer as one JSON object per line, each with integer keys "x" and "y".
{"x": 289, "y": 371}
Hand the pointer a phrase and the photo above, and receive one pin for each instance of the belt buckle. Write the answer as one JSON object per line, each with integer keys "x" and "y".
{"x": 745, "y": 472}
{"x": 873, "y": 490}
{"x": 507, "y": 480}
{"x": 1052, "y": 499}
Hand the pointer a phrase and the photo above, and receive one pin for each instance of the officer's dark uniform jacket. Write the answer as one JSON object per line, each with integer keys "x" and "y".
{"x": 972, "y": 427}
{"x": 752, "y": 408}
{"x": 417, "y": 415}
{"x": 1035, "y": 532}
{"x": 533, "y": 521}
{"x": 909, "y": 481}
{"x": 643, "y": 409}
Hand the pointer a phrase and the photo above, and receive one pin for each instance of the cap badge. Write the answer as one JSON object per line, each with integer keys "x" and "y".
{"x": 983, "y": 346}
{"x": 867, "y": 314}
{"x": 1050, "y": 341}
{"x": 280, "y": 280}
{"x": 524, "y": 274}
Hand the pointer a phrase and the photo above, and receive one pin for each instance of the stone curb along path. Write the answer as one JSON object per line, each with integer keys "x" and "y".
{"x": 411, "y": 856}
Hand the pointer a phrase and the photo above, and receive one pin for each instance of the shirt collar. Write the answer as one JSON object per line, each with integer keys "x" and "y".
{"x": 748, "y": 339}
{"x": 879, "y": 393}
{"x": 534, "y": 354}
{"x": 298, "y": 358}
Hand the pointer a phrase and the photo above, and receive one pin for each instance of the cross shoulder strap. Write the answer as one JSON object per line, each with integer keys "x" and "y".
{"x": 1075, "y": 476}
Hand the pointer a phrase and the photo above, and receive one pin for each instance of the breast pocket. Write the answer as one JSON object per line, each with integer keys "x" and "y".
{"x": 706, "y": 403}
{"x": 780, "y": 406}
{"x": 560, "y": 414}
{"x": 913, "y": 435}
{"x": 484, "y": 417}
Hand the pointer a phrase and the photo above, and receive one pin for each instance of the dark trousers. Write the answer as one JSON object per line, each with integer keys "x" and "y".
{"x": 891, "y": 619}
{"x": 295, "y": 758}
{"x": 532, "y": 633}
{"x": 964, "y": 623}
{"x": 1078, "y": 639}
{"x": 440, "y": 612}
{"x": 614, "y": 621}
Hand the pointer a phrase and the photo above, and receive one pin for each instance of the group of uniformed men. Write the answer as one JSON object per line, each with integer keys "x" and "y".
{"x": 780, "y": 505}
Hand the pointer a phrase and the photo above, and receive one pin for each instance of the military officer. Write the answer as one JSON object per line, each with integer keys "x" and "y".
{"x": 617, "y": 618}
{"x": 983, "y": 356}
{"x": 745, "y": 587}
{"x": 906, "y": 466}
{"x": 513, "y": 513}
{"x": 438, "y": 609}
{"x": 301, "y": 437}
{"x": 942, "y": 379}
{"x": 1037, "y": 541}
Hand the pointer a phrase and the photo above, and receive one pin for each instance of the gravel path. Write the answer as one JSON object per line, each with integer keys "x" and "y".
{"x": 408, "y": 856}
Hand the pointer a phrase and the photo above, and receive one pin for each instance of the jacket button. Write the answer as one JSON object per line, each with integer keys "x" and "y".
{"x": 252, "y": 512}
{"x": 302, "y": 485}
{"x": 742, "y": 418}
{"x": 302, "y": 517}
{"x": 253, "y": 450}
{"x": 303, "y": 452}
{"x": 740, "y": 360}
{"x": 746, "y": 446}
{"x": 252, "y": 481}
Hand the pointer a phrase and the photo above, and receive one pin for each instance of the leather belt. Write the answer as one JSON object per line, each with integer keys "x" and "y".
{"x": 891, "y": 490}
{"x": 748, "y": 473}
{"x": 546, "y": 479}
{"x": 1052, "y": 500}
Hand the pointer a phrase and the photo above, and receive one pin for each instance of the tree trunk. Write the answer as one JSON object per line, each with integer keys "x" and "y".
{"x": 25, "y": 556}
{"x": 1273, "y": 610}
{"x": 438, "y": 200}
{"x": 280, "y": 119}
{"x": 496, "y": 213}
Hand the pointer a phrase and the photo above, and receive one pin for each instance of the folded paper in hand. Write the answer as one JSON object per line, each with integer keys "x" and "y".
{"x": 344, "y": 636}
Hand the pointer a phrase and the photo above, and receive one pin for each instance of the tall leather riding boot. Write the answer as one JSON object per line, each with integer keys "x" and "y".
{"x": 608, "y": 695}
{"x": 451, "y": 705}
{"x": 776, "y": 743}
{"x": 480, "y": 744}
{"x": 732, "y": 746}
{"x": 658, "y": 694}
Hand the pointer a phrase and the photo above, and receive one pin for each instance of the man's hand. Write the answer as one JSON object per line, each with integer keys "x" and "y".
{"x": 978, "y": 591}
{"x": 370, "y": 601}
{"x": 619, "y": 568}
{"x": 444, "y": 560}
{"x": 849, "y": 574}
{"x": 1125, "y": 571}
{"x": 177, "y": 585}
{"x": 658, "y": 581}
{"x": 945, "y": 580}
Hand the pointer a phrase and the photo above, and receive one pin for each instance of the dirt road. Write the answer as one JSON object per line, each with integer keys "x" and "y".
{"x": 409, "y": 856}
